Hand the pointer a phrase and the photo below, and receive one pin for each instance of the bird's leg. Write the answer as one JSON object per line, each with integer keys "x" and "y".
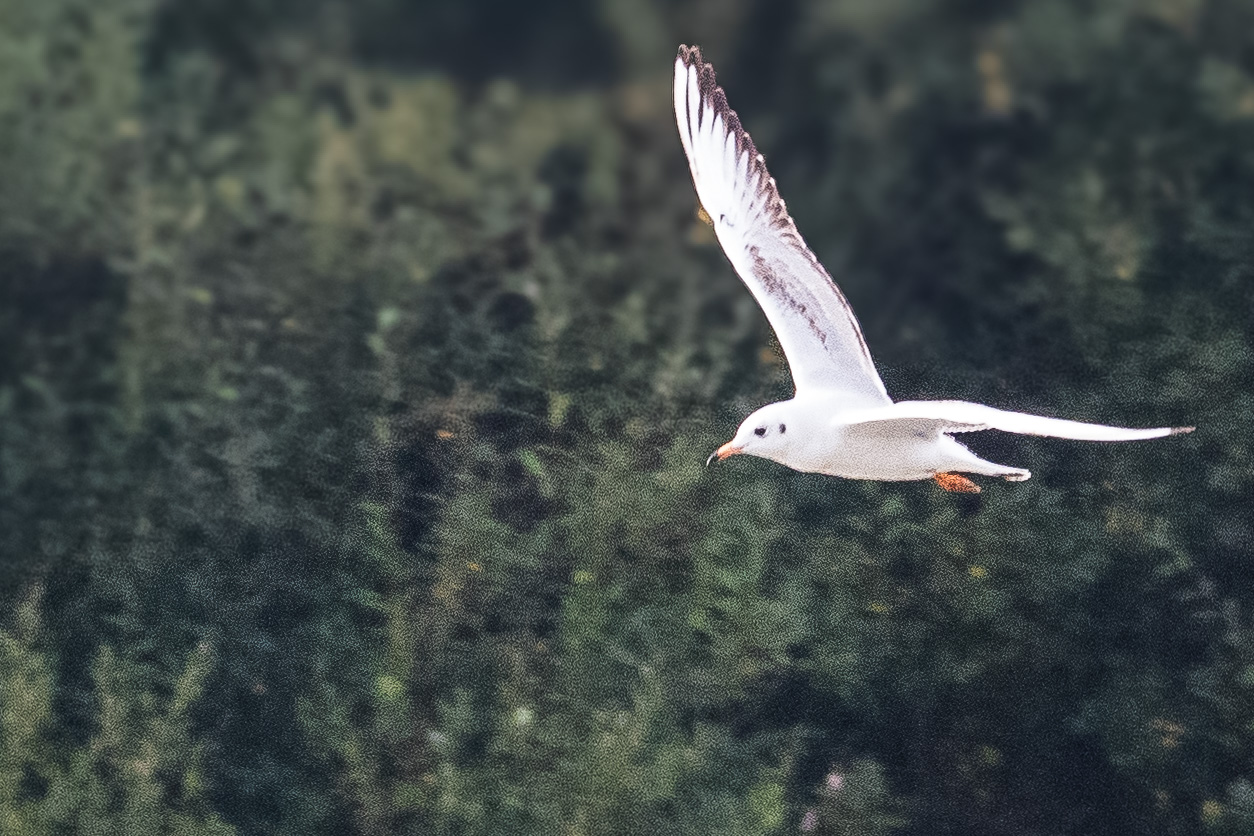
{"x": 956, "y": 483}
{"x": 703, "y": 215}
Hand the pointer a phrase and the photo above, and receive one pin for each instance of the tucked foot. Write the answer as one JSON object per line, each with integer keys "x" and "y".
{"x": 956, "y": 483}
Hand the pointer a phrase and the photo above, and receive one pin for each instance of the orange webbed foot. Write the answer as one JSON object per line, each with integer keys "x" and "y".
{"x": 955, "y": 483}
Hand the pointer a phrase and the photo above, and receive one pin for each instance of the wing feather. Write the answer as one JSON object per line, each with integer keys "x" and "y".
{"x": 963, "y": 416}
{"x": 812, "y": 320}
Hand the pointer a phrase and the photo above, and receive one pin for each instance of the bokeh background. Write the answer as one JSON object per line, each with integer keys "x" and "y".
{"x": 359, "y": 362}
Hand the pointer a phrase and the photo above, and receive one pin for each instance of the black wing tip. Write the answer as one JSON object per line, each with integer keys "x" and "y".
{"x": 716, "y": 99}
{"x": 707, "y": 83}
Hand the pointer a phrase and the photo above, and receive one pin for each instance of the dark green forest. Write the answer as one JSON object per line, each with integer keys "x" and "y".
{"x": 359, "y": 362}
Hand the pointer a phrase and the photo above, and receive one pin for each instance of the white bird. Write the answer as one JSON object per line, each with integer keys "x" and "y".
{"x": 840, "y": 420}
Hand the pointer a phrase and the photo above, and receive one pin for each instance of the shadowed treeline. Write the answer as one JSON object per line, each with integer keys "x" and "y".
{"x": 358, "y": 363}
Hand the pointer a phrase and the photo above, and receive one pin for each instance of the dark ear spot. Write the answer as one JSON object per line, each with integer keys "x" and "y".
{"x": 782, "y": 428}
{"x": 760, "y": 431}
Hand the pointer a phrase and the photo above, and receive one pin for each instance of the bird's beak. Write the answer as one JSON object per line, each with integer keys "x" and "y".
{"x": 723, "y": 452}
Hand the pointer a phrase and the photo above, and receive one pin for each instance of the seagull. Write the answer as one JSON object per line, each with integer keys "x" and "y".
{"x": 840, "y": 420}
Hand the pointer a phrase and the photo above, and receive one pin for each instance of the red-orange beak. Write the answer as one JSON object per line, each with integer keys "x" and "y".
{"x": 723, "y": 452}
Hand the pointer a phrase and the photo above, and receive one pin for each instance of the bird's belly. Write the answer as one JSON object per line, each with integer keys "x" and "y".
{"x": 860, "y": 455}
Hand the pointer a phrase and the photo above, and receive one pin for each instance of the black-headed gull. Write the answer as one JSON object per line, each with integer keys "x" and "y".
{"x": 840, "y": 421}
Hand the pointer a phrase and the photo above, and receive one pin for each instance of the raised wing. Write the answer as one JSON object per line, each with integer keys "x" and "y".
{"x": 813, "y": 322}
{"x": 962, "y": 417}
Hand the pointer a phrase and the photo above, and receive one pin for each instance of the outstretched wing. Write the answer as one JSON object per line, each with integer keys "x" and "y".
{"x": 962, "y": 417}
{"x": 813, "y": 322}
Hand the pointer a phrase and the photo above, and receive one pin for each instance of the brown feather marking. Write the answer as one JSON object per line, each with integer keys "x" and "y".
{"x": 781, "y": 291}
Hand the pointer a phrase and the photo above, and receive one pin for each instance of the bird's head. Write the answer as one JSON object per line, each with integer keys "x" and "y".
{"x": 765, "y": 433}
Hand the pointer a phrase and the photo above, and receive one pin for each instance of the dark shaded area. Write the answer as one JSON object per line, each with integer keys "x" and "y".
{"x": 547, "y": 43}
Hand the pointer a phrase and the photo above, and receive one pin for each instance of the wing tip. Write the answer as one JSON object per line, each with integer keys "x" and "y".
{"x": 690, "y": 58}
{"x": 707, "y": 82}
{"x": 1180, "y": 430}
{"x": 690, "y": 55}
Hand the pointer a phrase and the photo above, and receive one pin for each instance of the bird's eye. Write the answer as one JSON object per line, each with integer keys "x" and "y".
{"x": 760, "y": 431}
{"x": 782, "y": 428}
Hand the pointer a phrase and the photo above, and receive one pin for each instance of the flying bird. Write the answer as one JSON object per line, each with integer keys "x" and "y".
{"x": 840, "y": 421}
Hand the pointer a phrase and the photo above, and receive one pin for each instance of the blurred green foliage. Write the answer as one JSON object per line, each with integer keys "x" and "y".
{"x": 358, "y": 363}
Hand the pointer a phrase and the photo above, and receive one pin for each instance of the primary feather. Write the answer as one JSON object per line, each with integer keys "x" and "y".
{"x": 964, "y": 417}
